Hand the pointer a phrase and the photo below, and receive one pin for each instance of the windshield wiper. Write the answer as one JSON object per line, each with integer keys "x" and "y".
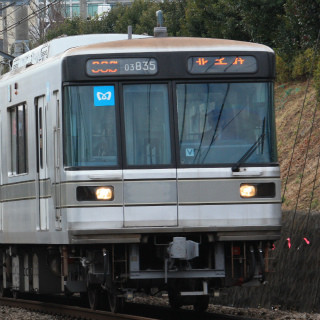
{"x": 249, "y": 152}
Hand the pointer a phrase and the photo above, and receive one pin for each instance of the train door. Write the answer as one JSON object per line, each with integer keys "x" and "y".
{"x": 1, "y": 203}
{"x": 43, "y": 181}
{"x": 150, "y": 180}
{"x": 56, "y": 147}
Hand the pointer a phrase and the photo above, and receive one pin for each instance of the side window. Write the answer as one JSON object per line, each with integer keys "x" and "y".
{"x": 18, "y": 139}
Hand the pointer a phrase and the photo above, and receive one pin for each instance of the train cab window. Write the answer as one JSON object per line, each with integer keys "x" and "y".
{"x": 225, "y": 123}
{"x": 90, "y": 126}
{"x": 18, "y": 139}
{"x": 147, "y": 125}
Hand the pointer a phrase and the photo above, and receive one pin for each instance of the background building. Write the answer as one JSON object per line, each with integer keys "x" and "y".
{"x": 72, "y": 7}
{"x": 27, "y": 20}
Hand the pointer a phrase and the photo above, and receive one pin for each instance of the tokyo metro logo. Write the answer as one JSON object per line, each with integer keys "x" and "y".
{"x": 103, "y": 96}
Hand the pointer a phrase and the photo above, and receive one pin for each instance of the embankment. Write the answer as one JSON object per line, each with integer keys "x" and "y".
{"x": 294, "y": 281}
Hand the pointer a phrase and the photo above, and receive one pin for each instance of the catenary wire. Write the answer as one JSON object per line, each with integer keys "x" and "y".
{"x": 296, "y": 139}
{"x": 35, "y": 13}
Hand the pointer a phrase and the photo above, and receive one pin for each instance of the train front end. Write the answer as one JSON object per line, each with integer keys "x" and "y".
{"x": 170, "y": 175}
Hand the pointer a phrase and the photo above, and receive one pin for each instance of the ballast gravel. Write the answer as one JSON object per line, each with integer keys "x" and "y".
{"x": 10, "y": 313}
{"x": 257, "y": 313}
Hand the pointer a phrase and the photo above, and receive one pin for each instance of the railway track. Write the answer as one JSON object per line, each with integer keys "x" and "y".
{"x": 73, "y": 312}
{"x": 133, "y": 311}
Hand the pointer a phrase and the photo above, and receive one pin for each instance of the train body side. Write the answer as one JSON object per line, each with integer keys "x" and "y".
{"x": 24, "y": 194}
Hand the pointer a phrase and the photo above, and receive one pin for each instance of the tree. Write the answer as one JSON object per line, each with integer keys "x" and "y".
{"x": 289, "y": 26}
{"x": 141, "y": 15}
{"x": 260, "y": 19}
{"x": 174, "y": 13}
{"x": 42, "y": 18}
{"x": 234, "y": 19}
{"x": 299, "y": 27}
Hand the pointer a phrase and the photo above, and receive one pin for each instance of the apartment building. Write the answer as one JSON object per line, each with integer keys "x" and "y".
{"x": 21, "y": 22}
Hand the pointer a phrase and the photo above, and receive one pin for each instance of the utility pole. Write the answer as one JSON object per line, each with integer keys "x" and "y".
{"x": 21, "y": 21}
{"x": 1, "y": 40}
{"x": 22, "y": 28}
{"x": 83, "y": 9}
{"x": 4, "y": 46}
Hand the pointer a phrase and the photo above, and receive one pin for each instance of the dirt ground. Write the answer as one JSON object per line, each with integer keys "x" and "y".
{"x": 297, "y": 114}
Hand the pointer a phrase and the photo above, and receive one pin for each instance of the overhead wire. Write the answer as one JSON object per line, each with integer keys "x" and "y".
{"x": 8, "y": 6}
{"x": 20, "y": 21}
{"x": 30, "y": 16}
{"x": 291, "y": 159}
{"x": 15, "y": 9}
{"x": 318, "y": 160}
{"x": 296, "y": 139}
{"x": 34, "y": 29}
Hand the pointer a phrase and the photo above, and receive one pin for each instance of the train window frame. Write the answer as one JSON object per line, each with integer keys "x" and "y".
{"x": 171, "y": 119}
{"x": 18, "y": 149}
{"x": 92, "y": 84}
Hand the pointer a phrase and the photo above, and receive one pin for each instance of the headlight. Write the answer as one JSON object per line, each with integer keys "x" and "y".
{"x": 95, "y": 193}
{"x": 248, "y": 191}
{"x": 104, "y": 193}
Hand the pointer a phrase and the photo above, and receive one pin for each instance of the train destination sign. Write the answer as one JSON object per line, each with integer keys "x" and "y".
{"x": 222, "y": 64}
{"x": 122, "y": 66}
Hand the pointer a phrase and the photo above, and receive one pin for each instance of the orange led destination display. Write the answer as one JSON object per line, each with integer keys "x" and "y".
{"x": 121, "y": 66}
{"x": 222, "y": 64}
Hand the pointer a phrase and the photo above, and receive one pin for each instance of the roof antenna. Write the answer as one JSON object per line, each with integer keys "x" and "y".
{"x": 160, "y": 31}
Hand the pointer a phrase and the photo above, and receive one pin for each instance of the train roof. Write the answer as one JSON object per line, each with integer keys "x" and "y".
{"x": 60, "y": 45}
{"x": 170, "y": 44}
{"x": 119, "y": 43}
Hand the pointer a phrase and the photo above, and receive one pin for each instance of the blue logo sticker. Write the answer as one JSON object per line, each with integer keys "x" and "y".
{"x": 103, "y": 96}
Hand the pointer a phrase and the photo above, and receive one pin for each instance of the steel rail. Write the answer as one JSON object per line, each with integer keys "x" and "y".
{"x": 76, "y": 312}
{"x": 71, "y": 311}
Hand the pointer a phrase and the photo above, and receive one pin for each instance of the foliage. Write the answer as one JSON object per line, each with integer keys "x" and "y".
{"x": 317, "y": 79}
{"x": 77, "y": 26}
{"x": 289, "y": 26}
{"x": 234, "y": 19}
{"x": 299, "y": 26}
{"x": 303, "y": 64}
{"x": 174, "y": 16}
{"x": 214, "y": 18}
{"x": 256, "y": 24}
{"x": 141, "y": 15}
{"x": 282, "y": 69}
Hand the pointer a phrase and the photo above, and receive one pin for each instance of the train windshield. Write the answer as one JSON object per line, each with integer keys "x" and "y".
{"x": 225, "y": 123}
{"x": 147, "y": 125}
{"x": 90, "y": 127}
{"x": 216, "y": 124}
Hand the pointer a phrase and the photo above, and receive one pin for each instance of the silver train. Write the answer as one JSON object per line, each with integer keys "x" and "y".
{"x": 141, "y": 164}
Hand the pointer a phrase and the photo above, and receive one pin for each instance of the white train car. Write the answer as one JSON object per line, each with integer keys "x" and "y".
{"x": 133, "y": 164}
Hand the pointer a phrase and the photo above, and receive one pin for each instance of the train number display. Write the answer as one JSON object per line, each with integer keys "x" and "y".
{"x": 222, "y": 64}
{"x": 121, "y": 66}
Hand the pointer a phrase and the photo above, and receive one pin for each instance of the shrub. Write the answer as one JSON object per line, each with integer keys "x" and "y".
{"x": 282, "y": 70}
{"x": 302, "y": 64}
{"x": 317, "y": 79}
